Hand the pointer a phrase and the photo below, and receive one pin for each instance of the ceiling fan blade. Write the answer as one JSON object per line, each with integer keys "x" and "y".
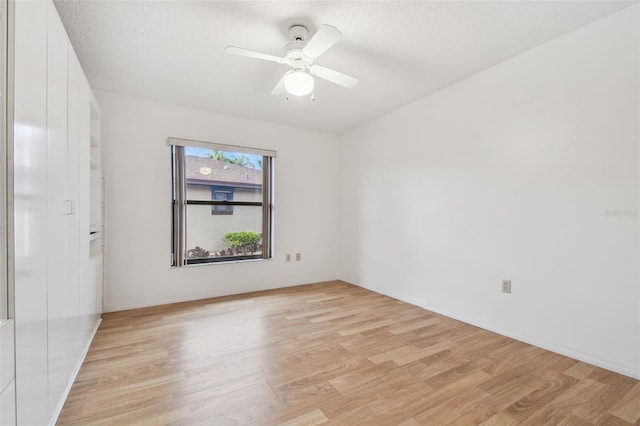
{"x": 326, "y": 37}
{"x": 279, "y": 89}
{"x": 336, "y": 77}
{"x": 251, "y": 54}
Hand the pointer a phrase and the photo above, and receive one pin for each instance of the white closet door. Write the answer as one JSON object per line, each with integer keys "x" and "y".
{"x": 60, "y": 325}
{"x": 72, "y": 237}
{"x": 30, "y": 210}
{"x": 87, "y": 276}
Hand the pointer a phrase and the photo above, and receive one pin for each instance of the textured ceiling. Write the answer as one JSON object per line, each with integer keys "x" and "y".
{"x": 173, "y": 51}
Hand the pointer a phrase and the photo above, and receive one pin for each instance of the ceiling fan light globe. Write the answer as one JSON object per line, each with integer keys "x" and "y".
{"x": 298, "y": 83}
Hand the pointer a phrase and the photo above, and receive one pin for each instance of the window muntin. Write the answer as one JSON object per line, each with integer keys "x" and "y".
{"x": 222, "y": 204}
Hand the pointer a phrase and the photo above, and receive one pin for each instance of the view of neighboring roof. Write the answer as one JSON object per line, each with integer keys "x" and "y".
{"x": 209, "y": 171}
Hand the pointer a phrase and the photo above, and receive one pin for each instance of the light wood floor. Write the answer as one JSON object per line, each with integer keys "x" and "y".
{"x": 329, "y": 353}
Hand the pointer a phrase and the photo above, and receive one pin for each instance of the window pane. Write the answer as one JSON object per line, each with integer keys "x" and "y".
{"x": 222, "y": 236}
{"x": 222, "y": 175}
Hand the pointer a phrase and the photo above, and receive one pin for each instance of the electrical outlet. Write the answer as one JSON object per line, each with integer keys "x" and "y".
{"x": 288, "y": 257}
{"x": 506, "y": 286}
{"x": 298, "y": 257}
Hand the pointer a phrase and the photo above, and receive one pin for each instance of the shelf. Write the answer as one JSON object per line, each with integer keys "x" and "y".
{"x": 96, "y": 239}
{"x": 94, "y": 133}
{"x": 94, "y": 129}
{"x": 94, "y": 157}
{"x": 95, "y": 142}
{"x": 95, "y": 109}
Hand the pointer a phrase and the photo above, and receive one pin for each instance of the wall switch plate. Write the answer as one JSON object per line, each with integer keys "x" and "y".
{"x": 69, "y": 207}
{"x": 506, "y": 286}
{"x": 298, "y": 257}
{"x": 288, "y": 257}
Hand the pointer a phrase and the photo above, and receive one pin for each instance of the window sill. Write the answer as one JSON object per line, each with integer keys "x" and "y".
{"x": 226, "y": 262}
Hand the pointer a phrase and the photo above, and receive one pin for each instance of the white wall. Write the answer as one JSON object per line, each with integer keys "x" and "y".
{"x": 137, "y": 168}
{"x": 510, "y": 174}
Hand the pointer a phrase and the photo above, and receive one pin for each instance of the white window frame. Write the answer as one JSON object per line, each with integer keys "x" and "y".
{"x": 180, "y": 202}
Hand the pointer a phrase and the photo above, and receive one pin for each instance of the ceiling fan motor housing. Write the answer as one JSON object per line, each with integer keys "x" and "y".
{"x": 293, "y": 50}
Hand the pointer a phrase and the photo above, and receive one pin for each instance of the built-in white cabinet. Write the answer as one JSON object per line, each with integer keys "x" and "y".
{"x": 8, "y": 405}
{"x": 58, "y": 220}
{"x": 7, "y": 374}
{"x": 7, "y": 325}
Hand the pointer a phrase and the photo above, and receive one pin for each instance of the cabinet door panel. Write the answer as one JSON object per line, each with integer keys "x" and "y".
{"x": 72, "y": 238}
{"x": 30, "y": 210}
{"x": 60, "y": 323}
{"x": 7, "y": 353}
{"x": 8, "y": 405}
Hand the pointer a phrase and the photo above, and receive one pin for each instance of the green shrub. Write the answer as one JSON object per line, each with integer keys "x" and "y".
{"x": 243, "y": 242}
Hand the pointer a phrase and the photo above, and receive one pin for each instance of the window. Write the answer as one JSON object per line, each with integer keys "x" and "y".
{"x": 222, "y": 193}
{"x": 222, "y": 202}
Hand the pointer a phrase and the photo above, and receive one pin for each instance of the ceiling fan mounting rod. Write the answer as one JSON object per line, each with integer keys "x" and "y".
{"x": 298, "y": 32}
{"x": 299, "y": 64}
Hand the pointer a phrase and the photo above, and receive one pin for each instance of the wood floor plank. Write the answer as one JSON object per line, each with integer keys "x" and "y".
{"x": 424, "y": 352}
{"x": 572, "y": 420}
{"x": 393, "y": 354}
{"x": 315, "y": 417}
{"x": 404, "y": 328}
{"x": 329, "y": 353}
{"x": 540, "y": 397}
{"x": 472, "y": 415}
{"x": 452, "y": 408}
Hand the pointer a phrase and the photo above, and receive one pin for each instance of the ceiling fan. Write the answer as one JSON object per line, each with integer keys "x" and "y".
{"x": 300, "y": 55}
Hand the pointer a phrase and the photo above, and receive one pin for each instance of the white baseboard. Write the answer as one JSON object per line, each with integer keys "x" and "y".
{"x": 627, "y": 370}
{"x": 74, "y": 373}
{"x": 551, "y": 346}
{"x": 191, "y": 298}
{"x": 170, "y": 300}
